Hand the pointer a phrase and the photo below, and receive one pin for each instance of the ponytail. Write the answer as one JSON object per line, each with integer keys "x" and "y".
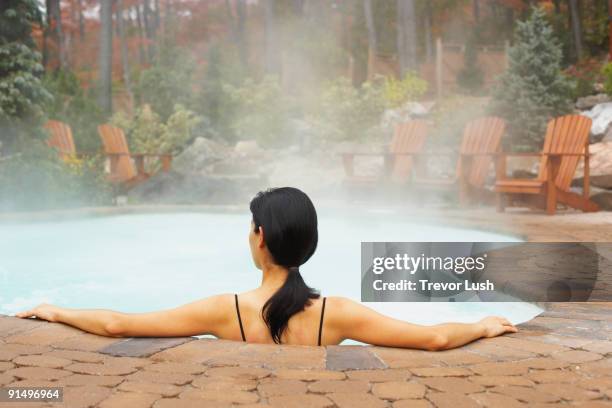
{"x": 288, "y": 300}
{"x": 289, "y": 221}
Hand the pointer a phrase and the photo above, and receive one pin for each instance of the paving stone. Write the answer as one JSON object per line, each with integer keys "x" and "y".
{"x": 569, "y": 392}
{"x": 171, "y": 367}
{"x": 275, "y": 387}
{"x": 601, "y": 367}
{"x": 143, "y": 346}
{"x": 129, "y": 400}
{"x": 441, "y": 372}
{"x": 552, "y": 338}
{"x": 190, "y": 403}
{"x": 352, "y": 358}
{"x": 398, "y": 358}
{"x": 525, "y": 394}
{"x": 6, "y": 379}
{"x": 543, "y": 363}
{"x": 15, "y": 350}
{"x": 498, "y": 353}
{"x": 297, "y": 357}
{"x": 599, "y": 347}
{"x": 493, "y": 380}
{"x": 200, "y": 351}
{"x": 38, "y": 373}
{"x": 352, "y": 386}
{"x": 457, "y": 357}
{"x": 310, "y": 375}
{"x": 101, "y": 368}
{"x": 530, "y": 346}
{"x": 578, "y": 356}
{"x": 300, "y": 401}
{"x": 598, "y": 384}
{"x": 592, "y": 404}
{"x": 452, "y": 385}
{"x": 162, "y": 378}
{"x": 75, "y": 355}
{"x": 374, "y": 376}
{"x": 85, "y": 342}
{"x": 344, "y": 400}
{"x": 223, "y": 383}
{"x": 553, "y": 376}
{"x": 396, "y": 390}
{"x": 252, "y": 373}
{"x": 12, "y": 325}
{"x": 44, "y": 335}
{"x": 236, "y": 397}
{"x": 451, "y": 400}
{"x": 165, "y": 390}
{"x": 82, "y": 379}
{"x": 6, "y": 365}
{"x": 500, "y": 368}
{"x": 42, "y": 361}
{"x": 496, "y": 400}
{"x": 85, "y": 396}
{"x": 32, "y": 383}
{"x": 410, "y": 403}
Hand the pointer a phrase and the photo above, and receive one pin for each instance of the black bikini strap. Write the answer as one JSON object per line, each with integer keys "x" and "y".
{"x": 239, "y": 319}
{"x": 321, "y": 322}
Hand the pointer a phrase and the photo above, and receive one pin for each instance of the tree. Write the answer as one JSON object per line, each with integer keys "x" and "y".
{"x": 576, "y": 28}
{"x": 22, "y": 94}
{"x": 406, "y": 35}
{"x": 125, "y": 64}
{"x": 273, "y": 51}
{"x": 369, "y": 17}
{"x": 105, "y": 56}
{"x": 533, "y": 89}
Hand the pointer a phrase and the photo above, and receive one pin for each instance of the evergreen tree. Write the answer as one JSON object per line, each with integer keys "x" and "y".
{"x": 22, "y": 94}
{"x": 533, "y": 89}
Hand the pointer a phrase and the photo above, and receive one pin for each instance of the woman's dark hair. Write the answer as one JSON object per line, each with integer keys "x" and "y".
{"x": 289, "y": 222}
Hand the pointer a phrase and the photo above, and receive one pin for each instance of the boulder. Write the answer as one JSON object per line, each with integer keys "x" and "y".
{"x": 600, "y": 166}
{"x": 604, "y": 200}
{"x": 198, "y": 157}
{"x": 247, "y": 147}
{"x": 601, "y": 115}
{"x": 590, "y": 101}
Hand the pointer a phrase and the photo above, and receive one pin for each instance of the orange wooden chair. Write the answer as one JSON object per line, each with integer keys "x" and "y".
{"x": 408, "y": 138}
{"x": 481, "y": 141}
{"x": 60, "y": 138}
{"x": 122, "y": 170}
{"x": 566, "y": 142}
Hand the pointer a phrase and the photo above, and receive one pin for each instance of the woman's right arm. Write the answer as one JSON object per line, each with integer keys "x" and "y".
{"x": 347, "y": 319}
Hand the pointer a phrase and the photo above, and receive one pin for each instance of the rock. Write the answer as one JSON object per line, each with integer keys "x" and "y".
{"x": 198, "y": 157}
{"x": 604, "y": 200}
{"x": 601, "y": 115}
{"x": 406, "y": 112}
{"x": 590, "y": 101}
{"x": 247, "y": 147}
{"x": 600, "y": 166}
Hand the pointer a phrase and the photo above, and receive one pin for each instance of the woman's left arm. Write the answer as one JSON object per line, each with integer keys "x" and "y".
{"x": 204, "y": 316}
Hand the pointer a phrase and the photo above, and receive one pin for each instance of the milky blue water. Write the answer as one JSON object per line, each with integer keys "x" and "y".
{"x": 138, "y": 263}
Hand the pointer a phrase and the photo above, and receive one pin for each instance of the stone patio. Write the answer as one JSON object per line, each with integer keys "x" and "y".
{"x": 562, "y": 357}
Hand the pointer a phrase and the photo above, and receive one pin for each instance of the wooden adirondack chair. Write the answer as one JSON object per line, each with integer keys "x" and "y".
{"x": 408, "y": 137}
{"x": 60, "y": 137}
{"x": 122, "y": 170}
{"x": 566, "y": 142}
{"x": 481, "y": 141}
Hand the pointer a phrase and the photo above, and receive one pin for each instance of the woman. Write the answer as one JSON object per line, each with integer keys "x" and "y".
{"x": 283, "y": 309}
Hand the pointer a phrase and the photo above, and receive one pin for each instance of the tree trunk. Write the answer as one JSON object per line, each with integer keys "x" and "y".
{"x": 105, "y": 57}
{"x": 428, "y": 23}
{"x": 369, "y": 18}
{"x": 125, "y": 63}
{"x": 81, "y": 20}
{"x": 56, "y": 15}
{"x": 406, "y": 36}
{"x": 576, "y": 28}
{"x": 142, "y": 36}
{"x": 476, "y": 7}
{"x": 273, "y": 52}
{"x": 148, "y": 26}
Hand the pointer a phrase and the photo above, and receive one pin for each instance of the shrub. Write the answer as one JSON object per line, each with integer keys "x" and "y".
{"x": 533, "y": 89}
{"x": 262, "y": 111}
{"x": 585, "y": 75}
{"x": 36, "y": 179}
{"x": 146, "y": 133}
{"x": 606, "y": 72}
{"x": 397, "y": 92}
{"x": 72, "y": 105}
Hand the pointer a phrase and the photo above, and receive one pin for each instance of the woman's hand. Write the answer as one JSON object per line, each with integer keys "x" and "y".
{"x": 43, "y": 311}
{"x": 494, "y": 326}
